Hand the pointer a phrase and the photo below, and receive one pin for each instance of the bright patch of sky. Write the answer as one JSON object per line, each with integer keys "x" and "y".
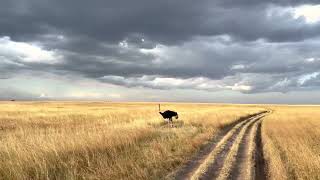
{"x": 26, "y": 52}
{"x": 306, "y": 77}
{"x": 311, "y": 13}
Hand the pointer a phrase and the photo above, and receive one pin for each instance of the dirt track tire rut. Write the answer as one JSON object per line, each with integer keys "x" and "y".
{"x": 237, "y": 154}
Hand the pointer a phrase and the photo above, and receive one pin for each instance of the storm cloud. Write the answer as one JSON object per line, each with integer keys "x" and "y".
{"x": 244, "y": 46}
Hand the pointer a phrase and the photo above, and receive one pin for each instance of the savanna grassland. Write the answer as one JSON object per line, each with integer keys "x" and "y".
{"x": 95, "y": 140}
{"x": 291, "y": 137}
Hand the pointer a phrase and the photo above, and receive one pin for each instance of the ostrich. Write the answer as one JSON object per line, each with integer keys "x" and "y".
{"x": 168, "y": 115}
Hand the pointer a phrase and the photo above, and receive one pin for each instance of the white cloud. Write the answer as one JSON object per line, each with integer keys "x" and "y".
{"x": 25, "y": 52}
{"x": 238, "y": 87}
{"x": 124, "y": 44}
{"x": 43, "y": 95}
{"x": 282, "y": 84}
{"x": 238, "y": 67}
{"x": 197, "y": 83}
{"x": 157, "y": 50}
{"x": 304, "y": 78}
{"x": 309, "y": 12}
{"x": 311, "y": 60}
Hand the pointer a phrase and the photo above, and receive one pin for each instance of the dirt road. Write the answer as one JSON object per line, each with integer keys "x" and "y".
{"x": 234, "y": 154}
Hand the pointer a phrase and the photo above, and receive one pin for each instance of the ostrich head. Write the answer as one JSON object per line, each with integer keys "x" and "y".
{"x": 162, "y": 114}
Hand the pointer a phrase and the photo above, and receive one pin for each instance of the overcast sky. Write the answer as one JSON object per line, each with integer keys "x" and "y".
{"x": 244, "y": 51}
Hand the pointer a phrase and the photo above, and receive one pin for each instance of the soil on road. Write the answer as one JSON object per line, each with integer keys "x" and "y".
{"x": 234, "y": 154}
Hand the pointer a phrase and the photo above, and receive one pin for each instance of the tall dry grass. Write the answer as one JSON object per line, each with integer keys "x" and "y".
{"x": 291, "y": 137}
{"x": 91, "y": 140}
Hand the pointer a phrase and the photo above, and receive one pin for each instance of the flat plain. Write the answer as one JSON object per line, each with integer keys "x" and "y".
{"x": 97, "y": 140}
{"x": 291, "y": 140}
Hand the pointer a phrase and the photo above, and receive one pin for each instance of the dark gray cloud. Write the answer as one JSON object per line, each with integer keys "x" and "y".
{"x": 248, "y": 46}
{"x": 246, "y": 3}
{"x": 167, "y": 22}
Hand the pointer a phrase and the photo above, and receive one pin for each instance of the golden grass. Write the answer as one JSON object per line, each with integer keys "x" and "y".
{"x": 291, "y": 142}
{"x": 91, "y": 140}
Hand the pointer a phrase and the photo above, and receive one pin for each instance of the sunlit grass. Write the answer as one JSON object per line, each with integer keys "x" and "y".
{"x": 104, "y": 140}
{"x": 291, "y": 142}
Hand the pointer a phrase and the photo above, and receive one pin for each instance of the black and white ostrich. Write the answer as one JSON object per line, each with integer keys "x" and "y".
{"x": 169, "y": 115}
